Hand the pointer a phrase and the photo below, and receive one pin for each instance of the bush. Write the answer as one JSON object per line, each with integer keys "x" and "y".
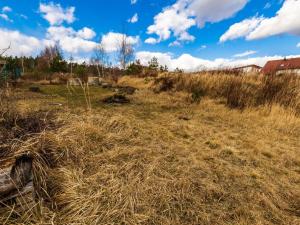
{"x": 134, "y": 69}
{"x": 163, "y": 84}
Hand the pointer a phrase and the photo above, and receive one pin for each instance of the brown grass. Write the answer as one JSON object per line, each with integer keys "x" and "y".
{"x": 238, "y": 91}
{"x": 142, "y": 164}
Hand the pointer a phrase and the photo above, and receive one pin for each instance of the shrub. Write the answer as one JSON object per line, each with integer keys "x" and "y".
{"x": 163, "y": 84}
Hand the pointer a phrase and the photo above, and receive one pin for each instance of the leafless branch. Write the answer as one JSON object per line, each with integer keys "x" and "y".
{"x": 5, "y": 50}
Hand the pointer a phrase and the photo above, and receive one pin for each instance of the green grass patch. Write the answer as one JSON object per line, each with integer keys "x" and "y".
{"x": 74, "y": 96}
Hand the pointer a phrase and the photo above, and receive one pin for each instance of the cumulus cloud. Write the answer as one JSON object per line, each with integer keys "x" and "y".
{"x": 190, "y": 63}
{"x": 151, "y": 41}
{"x": 241, "y": 29}
{"x": 72, "y": 41}
{"x": 6, "y": 9}
{"x": 172, "y": 20}
{"x": 213, "y": 11}
{"x": 145, "y": 57}
{"x": 111, "y": 41}
{"x": 21, "y": 44}
{"x": 78, "y": 43}
{"x": 175, "y": 43}
{"x": 5, "y": 17}
{"x": 268, "y": 5}
{"x": 244, "y": 54}
{"x": 55, "y": 14}
{"x": 178, "y": 18}
{"x": 133, "y": 2}
{"x": 86, "y": 33}
{"x": 134, "y": 18}
{"x": 298, "y": 45}
{"x": 24, "y": 16}
{"x": 286, "y": 21}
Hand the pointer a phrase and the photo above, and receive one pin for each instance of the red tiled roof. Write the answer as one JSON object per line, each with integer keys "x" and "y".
{"x": 283, "y": 64}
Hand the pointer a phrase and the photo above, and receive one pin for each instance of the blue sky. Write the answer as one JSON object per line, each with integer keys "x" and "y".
{"x": 189, "y": 34}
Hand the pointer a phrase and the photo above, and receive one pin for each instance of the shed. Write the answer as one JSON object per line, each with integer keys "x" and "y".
{"x": 249, "y": 69}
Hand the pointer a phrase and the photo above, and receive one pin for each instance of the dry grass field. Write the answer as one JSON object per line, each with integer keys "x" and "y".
{"x": 175, "y": 155}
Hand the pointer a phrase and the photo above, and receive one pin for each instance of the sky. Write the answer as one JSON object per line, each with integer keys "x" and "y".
{"x": 186, "y": 34}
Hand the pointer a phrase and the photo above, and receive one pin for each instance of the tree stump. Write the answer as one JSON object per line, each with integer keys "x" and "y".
{"x": 16, "y": 185}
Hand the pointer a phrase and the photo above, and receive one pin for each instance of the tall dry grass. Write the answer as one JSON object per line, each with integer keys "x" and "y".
{"x": 142, "y": 164}
{"x": 104, "y": 169}
{"x": 238, "y": 91}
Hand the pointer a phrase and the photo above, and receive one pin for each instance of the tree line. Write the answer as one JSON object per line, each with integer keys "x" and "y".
{"x": 51, "y": 60}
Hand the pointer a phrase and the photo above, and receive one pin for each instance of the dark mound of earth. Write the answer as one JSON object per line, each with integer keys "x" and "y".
{"x": 116, "y": 99}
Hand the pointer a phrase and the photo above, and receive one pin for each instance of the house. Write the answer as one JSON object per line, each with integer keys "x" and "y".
{"x": 249, "y": 69}
{"x": 94, "y": 81}
{"x": 282, "y": 66}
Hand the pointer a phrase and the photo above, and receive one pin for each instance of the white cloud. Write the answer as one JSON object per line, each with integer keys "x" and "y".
{"x": 241, "y": 29}
{"x": 151, "y": 41}
{"x": 21, "y": 44}
{"x": 213, "y": 10}
{"x": 203, "y": 46}
{"x": 190, "y": 63}
{"x": 5, "y": 17}
{"x": 111, "y": 41}
{"x": 175, "y": 43}
{"x": 163, "y": 58}
{"x": 244, "y": 54}
{"x": 86, "y": 33}
{"x": 6, "y": 9}
{"x": 134, "y": 18}
{"x": 185, "y": 61}
{"x": 286, "y": 21}
{"x": 172, "y": 20}
{"x": 298, "y": 45}
{"x": 56, "y": 15}
{"x": 72, "y": 41}
{"x": 178, "y": 18}
{"x": 268, "y": 5}
{"x": 133, "y": 2}
{"x": 24, "y": 16}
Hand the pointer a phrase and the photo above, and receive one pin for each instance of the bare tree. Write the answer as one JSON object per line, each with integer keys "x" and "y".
{"x": 125, "y": 52}
{"x": 1, "y": 54}
{"x": 3, "y": 67}
{"x": 4, "y": 50}
{"x": 50, "y": 53}
{"x": 100, "y": 59}
{"x": 71, "y": 64}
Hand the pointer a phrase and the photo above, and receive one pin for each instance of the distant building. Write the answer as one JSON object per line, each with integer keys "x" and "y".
{"x": 74, "y": 82}
{"x": 249, "y": 69}
{"x": 282, "y": 66}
